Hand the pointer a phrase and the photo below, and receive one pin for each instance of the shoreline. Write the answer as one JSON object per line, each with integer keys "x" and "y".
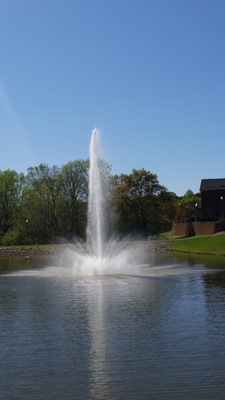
{"x": 30, "y": 251}
{"x": 27, "y": 252}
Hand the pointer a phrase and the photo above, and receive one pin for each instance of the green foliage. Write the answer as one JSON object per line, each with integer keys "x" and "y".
{"x": 11, "y": 197}
{"x": 40, "y": 203}
{"x": 200, "y": 245}
{"x": 73, "y": 198}
{"x": 50, "y": 202}
{"x": 187, "y": 207}
{"x": 13, "y": 237}
{"x": 141, "y": 204}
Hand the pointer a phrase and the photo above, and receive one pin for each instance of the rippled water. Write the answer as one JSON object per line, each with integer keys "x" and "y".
{"x": 156, "y": 336}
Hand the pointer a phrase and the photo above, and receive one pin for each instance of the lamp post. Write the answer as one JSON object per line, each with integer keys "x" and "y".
{"x": 26, "y": 230}
{"x": 221, "y": 207}
{"x": 196, "y": 207}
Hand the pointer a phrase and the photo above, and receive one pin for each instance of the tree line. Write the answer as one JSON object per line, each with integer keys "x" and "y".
{"x": 49, "y": 203}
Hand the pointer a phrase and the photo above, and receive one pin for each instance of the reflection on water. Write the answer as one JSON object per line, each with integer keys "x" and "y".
{"x": 159, "y": 336}
{"x": 194, "y": 260}
{"x": 10, "y": 264}
{"x": 215, "y": 279}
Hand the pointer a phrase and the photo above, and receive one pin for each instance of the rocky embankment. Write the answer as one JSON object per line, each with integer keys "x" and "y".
{"x": 153, "y": 247}
{"x": 27, "y": 252}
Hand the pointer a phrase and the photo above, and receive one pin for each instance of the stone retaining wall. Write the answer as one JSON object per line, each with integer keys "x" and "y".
{"x": 199, "y": 228}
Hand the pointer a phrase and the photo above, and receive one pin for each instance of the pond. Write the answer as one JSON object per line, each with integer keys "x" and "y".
{"x": 158, "y": 335}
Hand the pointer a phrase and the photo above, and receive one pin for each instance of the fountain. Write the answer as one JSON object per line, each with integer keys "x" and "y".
{"x": 98, "y": 256}
{"x": 95, "y": 225}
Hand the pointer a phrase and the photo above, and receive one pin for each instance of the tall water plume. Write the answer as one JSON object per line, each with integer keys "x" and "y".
{"x": 99, "y": 256}
{"x": 95, "y": 225}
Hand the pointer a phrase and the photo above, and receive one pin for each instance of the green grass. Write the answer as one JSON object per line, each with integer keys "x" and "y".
{"x": 214, "y": 245}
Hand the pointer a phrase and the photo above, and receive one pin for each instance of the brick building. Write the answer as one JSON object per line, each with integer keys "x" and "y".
{"x": 213, "y": 199}
{"x": 211, "y": 216}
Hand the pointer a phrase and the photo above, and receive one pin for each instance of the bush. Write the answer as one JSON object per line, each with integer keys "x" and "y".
{"x": 13, "y": 237}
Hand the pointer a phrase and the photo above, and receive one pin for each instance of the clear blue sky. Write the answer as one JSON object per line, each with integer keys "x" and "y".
{"x": 150, "y": 74}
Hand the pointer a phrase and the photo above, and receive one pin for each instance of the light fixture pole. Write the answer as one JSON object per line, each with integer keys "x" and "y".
{"x": 221, "y": 207}
{"x": 27, "y": 230}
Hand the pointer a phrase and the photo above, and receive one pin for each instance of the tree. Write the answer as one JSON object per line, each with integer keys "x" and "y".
{"x": 49, "y": 202}
{"x": 137, "y": 202}
{"x": 11, "y": 197}
{"x": 40, "y": 202}
{"x": 73, "y": 197}
{"x": 186, "y": 208}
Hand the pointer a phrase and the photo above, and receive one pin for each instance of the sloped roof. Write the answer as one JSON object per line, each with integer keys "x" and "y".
{"x": 212, "y": 184}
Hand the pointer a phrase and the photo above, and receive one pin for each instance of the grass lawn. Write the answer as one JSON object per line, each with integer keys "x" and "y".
{"x": 214, "y": 244}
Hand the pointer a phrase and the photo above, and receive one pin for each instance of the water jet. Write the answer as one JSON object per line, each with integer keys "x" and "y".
{"x": 99, "y": 256}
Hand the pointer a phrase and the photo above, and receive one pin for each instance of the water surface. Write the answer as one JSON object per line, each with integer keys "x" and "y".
{"x": 156, "y": 336}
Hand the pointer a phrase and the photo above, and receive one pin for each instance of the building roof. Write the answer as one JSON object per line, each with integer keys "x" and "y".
{"x": 212, "y": 184}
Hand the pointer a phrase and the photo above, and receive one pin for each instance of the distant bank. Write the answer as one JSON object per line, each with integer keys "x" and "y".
{"x": 211, "y": 245}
